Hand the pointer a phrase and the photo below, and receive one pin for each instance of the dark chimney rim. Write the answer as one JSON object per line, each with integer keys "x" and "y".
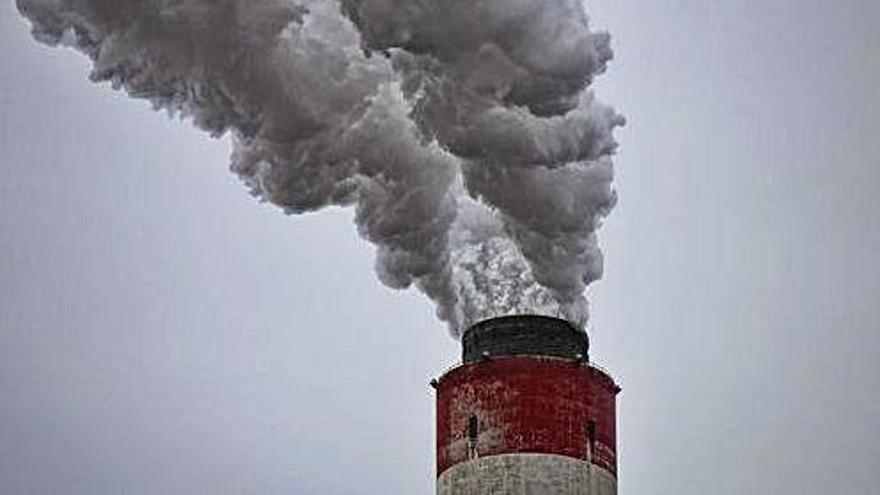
{"x": 514, "y": 335}
{"x": 524, "y": 317}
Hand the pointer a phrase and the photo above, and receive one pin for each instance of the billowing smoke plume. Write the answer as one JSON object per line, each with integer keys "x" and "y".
{"x": 462, "y": 132}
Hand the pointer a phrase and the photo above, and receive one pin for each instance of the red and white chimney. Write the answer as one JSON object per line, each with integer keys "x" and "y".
{"x": 526, "y": 413}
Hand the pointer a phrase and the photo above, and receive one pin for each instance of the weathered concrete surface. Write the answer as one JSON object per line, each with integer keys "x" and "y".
{"x": 523, "y": 335}
{"x": 526, "y": 404}
{"x": 526, "y": 474}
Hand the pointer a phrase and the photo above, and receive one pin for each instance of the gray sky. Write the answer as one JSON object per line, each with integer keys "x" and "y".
{"x": 162, "y": 332}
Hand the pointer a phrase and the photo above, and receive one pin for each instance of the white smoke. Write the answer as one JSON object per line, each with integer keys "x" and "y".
{"x": 462, "y": 132}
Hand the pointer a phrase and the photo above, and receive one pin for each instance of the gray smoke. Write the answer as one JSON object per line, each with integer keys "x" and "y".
{"x": 462, "y": 132}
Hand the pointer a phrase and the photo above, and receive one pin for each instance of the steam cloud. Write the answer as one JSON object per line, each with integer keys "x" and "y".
{"x": 463, "y": 132}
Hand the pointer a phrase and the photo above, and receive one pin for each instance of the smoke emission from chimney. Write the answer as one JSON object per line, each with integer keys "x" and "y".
{"x": 463, "y": 133}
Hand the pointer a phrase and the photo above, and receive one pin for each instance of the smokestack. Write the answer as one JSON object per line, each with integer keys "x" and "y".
{"x": 526, "y": 413}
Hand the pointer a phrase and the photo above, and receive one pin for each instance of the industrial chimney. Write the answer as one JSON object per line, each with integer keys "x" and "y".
{"x": 526, "y": 413}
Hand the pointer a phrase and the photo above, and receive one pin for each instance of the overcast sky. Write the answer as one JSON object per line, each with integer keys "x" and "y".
{"x": 163, "y": 332}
